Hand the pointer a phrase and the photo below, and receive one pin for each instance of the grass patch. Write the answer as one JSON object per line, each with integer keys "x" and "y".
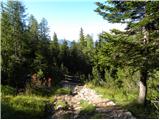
{"x": 26, "y": 107}
{"x": 61, "y": 104}
{"x": 41, "y": 91}
{"x": 62, "y": 91}
{"x": 127, "y": 100}
{"x": 47, "y": 92}
{"x": 87, "y": 110}
{"x": 87, "y": 107}
{"x": 118, "y": 95}
{"x": 21, "y": 106}
{"x": 143, "y": 112}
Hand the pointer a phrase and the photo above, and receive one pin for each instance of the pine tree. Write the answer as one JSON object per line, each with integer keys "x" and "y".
{"x": 42, "y": 48}
{"x": 44, "y": 29}
{"x": 82, "y": 39}
{"x": 138, "y": 47}
{"x": 54, "y": 51}
{"x": 6, "y": 42}
{"x": 64, "y": 54}
{"x": 33, "y": 28}
{"x": 89, "y": 40}
{"x": 55, "y": 41}
{"x": 13, "y": 42}
{"x": 89, "y": 49}
{"x": 34, "y": 43}
{"x": 33, "y": 36}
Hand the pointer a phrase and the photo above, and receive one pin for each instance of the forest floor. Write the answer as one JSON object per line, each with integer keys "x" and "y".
{"x": 84, "y": 102}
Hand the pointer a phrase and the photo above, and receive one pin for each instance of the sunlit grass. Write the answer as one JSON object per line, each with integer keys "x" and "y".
{"x": 28, "y": 105}
{"x": 23, "y": 106}
{"x": 127, "y": 100}
{"x": 60, "y": 103}
{"x": 119, "y": 96}
{"x": 87, "y": 107}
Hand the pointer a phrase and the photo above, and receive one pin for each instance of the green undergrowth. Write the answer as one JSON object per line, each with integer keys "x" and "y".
{"x": 60, "y": 103}
{"x": 62, "y": 91}
{"x": 118, "y": 95}
{"x": 22, "y": 106}
{"x": 27, "y": 105}
{"x": 143, "y": 112}
{"x": 128, "y": 100}
{"x": 87, "y": 107}
{"x": 44, "y": 91}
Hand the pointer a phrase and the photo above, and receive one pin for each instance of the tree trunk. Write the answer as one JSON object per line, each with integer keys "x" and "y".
{"x": 144, "y": 72}
{"x": 143, "y": 87}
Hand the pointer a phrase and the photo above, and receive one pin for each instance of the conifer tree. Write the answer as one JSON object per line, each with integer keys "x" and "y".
{"x": 138, "y": 47}
{"x": 44, "y": 29}
{"x": 54, "y": 51}
{"x": 55, "y": 41}
{"x": 89, "y": 41}
{"x": 13, "y": 41}
{"x": 82, "y": 39}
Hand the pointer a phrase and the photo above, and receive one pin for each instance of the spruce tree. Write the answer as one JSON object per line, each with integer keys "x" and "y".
{"x": 44, "y": 29}
{"x": 138, "y": 47}
{"x": 13, "y": 41}
{"x": 55, "y": 41}
{"x": 89, "y": 41}
{"x": 82, "y": 39}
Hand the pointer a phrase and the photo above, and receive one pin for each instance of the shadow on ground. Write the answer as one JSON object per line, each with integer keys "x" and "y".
{"x": 149, "y": 111}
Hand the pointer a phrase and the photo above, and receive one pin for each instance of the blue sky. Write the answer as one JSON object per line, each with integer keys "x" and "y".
{"x": 65, "y": 17}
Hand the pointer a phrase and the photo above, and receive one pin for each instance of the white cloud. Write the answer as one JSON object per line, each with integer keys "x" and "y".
{"x": 70, "y": 31}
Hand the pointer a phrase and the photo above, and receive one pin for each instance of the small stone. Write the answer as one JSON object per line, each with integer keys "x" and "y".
{"x": 110, "y": 103}
{"x": 129, "y": 115}
{"x": 78, "y": 108}
{"x": 59, "y": 107}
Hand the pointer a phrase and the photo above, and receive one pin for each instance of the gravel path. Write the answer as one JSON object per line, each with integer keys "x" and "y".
{"x": 105, "y": 108}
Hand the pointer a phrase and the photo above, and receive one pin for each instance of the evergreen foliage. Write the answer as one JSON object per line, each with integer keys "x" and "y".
{"x": 137, "y": 47}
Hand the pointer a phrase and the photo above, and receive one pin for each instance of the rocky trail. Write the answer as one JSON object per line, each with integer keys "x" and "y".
{"x": 72, "y": 108}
